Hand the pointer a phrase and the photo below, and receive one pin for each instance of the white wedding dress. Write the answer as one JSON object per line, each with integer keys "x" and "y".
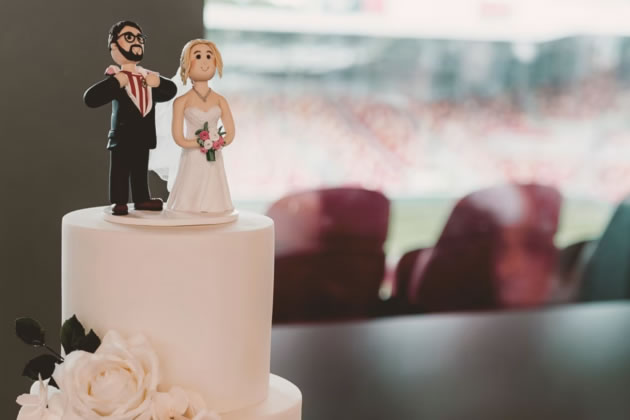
{"x": 201, "y": 185}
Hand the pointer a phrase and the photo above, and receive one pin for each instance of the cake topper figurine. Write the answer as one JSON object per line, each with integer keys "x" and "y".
{"x": 132, "y": 90}
{"x": 201, "y": 185}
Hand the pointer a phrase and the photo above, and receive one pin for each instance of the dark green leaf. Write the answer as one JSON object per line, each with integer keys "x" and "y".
{"x": 90, "y": 342}
{"x": 30, "y": 331}
{"x": 72, "y": 332}
{"x": 198, "y": 131}
{"x": 205, "y": 126}
{"x": 43, "y": 366}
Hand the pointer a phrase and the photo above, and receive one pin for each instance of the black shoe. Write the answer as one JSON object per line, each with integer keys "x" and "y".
{"x": 154, "y": 204}
{"x": 119, "y": 209}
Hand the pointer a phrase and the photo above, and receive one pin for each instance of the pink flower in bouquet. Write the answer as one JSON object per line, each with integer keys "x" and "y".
{"x": 202, "y": 150}
{"x": 204, "y": 135}
{"x": 218, "y": 144}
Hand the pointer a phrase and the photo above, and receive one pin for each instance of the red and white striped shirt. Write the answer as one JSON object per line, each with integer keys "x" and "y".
{"x": 139, "y": 92}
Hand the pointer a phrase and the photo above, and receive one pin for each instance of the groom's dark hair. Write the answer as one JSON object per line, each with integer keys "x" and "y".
{"x": 114, "y": 31}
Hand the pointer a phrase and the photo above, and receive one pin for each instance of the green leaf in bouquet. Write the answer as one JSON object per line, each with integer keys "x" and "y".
{"x": 30, "y": 331}
{"x": 205, "y": 126}
{"x": 72, "y": 332}
{"x": 43, "y": 366}
{"x": 221, "y": 131}
{"x": 198, "y": 131}
{"x": 90, "y": 342}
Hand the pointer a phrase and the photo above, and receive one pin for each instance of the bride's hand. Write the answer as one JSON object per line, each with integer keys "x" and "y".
{"x": 192, "y": 144}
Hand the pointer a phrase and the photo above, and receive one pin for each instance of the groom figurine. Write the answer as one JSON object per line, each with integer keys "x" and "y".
{"x": 132, "y": 90}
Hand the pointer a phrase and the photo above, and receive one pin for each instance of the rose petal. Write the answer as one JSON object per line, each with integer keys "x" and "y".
{"x": 31, "y": 413}
{"x": 144, "y": 416}
{"x": 207, "y": 415}
{"x": 56, "y": 404}
{"x": 70, "y": 415}
{"x": 116, "y": 381}
{"x": 196, "y": 404}
{"x": 36, "y": 405}
{"x": 179, "y": 399}
{"x": 28, "y": 400}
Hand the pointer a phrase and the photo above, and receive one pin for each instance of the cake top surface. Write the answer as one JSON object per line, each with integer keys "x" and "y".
{"x": 92, "y": 218}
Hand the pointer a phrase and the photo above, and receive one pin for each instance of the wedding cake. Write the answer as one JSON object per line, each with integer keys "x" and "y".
{"x": 177, "y": 301}
{"x": 201, "y": 295}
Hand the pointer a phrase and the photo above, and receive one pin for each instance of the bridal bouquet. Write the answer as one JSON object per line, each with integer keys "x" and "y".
{"x": 208, "y": 146}
{"x": 117, "y": 378}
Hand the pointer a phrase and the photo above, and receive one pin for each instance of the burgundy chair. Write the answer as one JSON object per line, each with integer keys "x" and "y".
{"x": 406, "y": 274}
{"x": 329, "y": 254}
{"x": 570, "y": 267}
{"x": 496, "y": 251}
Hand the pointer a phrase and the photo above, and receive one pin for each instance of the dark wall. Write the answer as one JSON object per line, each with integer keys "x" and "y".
{"x": 53, "y": 158}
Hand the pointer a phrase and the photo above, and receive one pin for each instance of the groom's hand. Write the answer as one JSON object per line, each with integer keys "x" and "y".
{"x": 153, "y": 80}
{"x": 122, "y": 79}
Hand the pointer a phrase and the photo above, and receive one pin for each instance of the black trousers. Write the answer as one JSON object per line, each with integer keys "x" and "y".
{"x": 128, "y": 164}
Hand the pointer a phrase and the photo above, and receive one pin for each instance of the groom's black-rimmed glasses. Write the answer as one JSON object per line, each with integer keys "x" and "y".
{"x": 131, "y": 37}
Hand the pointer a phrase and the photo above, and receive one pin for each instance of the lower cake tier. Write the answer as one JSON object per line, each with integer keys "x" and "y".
{"x": 284, "y": 402}
{"x": 202, "y": 295}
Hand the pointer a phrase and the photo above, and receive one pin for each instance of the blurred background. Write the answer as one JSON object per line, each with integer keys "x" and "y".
{"x": 394, "y": 142}
{"x": 427, "y": 102}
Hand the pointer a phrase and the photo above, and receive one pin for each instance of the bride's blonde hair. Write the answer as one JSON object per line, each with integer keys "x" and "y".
{"x": 184, "y": 61}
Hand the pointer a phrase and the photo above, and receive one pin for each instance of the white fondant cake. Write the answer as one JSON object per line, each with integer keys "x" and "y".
{"x": 201, "y": 294}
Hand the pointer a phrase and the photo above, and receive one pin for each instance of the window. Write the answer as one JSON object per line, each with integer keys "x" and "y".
{"x": 428, "y": 101}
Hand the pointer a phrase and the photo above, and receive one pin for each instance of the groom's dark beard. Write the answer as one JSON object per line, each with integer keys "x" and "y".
{"x": 130, "y": 55}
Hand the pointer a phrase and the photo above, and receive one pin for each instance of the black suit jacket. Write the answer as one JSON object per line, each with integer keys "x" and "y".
{"x": 128, "y": 127}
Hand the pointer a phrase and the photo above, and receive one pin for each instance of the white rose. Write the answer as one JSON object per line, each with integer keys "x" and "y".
{"x": 169, "y": 405}
{"x": 207, "y": 144}
{"x": 206, "y": 415}
{"x": 42, "y": 403}
{"x": 198, "y": 410}
{"x": 116, "y": 382}
{"x": 177, "y": 404}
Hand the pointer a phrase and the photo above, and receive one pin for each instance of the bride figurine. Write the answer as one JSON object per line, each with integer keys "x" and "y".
{"x": 201, "y": 185}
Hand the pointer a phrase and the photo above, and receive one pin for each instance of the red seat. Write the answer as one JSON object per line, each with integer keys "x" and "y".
{"x": 495, "y": 251}
{"x": 329, "y": 253}
{"x": 406, "y": 275}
